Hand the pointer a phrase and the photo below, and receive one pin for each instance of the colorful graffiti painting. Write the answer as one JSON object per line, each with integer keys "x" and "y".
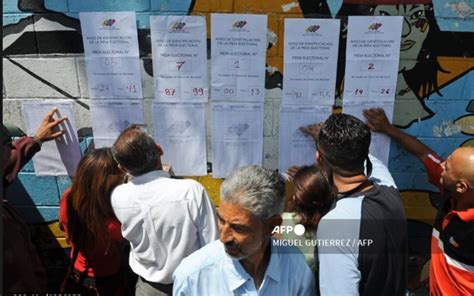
{"x": 434, "y": 96}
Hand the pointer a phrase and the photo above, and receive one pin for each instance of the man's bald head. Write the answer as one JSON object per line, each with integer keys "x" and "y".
{"x": 461, "y": 161}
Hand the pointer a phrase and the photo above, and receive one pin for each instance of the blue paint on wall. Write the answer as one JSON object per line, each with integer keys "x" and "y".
{"x": 438, "y": 132}
{"x": 171, "y": 6}
{"x": 55, "y": 5}
{"x": 108, "y": 5}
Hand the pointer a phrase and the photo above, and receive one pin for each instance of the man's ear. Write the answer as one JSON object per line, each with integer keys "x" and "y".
{"x": 319, "y": 159}
{"x": 272, "y": 222}
{"x": 462, "y": 186}
{"x": 121, "y": 168}
{"x": 160, "y": 150}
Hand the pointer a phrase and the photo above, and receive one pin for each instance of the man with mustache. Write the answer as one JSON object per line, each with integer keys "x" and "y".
{"x": 246, "y": 260}
{"x": 452, "y": 242}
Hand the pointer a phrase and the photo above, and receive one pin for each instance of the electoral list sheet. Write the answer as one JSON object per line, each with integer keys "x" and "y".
{"x": 111, "y": 54}
{"x": 59, "y": 156}
{"x": 372, "y": 57}
{"x": 295, "y": 147}
{"x": 239, "y": 44}
{"x": 310, "y": 59}
{"x": 237, "y": 136}
{"x": 179, "y": 49}
{"x": 110, "y": 117}
{"x": 181, "y": 131}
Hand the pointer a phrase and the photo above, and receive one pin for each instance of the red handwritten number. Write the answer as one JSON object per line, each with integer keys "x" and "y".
{"x": 371, "y": 66}
{"x": 170, "y": 92}
{"x": 198, "y": 91}
{"x": 180, "y": 64}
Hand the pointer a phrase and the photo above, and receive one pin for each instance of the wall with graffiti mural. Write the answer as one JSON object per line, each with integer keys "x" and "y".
{"x": 43, "y": 58}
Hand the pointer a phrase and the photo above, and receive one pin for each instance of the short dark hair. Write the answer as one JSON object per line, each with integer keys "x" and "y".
{"x": 135, "y": 151}
{"x": 343, "y": 144}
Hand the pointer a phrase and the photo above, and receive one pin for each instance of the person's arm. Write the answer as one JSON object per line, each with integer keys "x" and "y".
{"x": 206, "y": 220}
{"x": 380, "y": 173}
{"x": 25, "y": 148}
{"x": 378, "y": 122}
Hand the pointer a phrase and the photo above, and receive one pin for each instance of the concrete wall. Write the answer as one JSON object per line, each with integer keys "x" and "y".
{"x": 43, "y": 59}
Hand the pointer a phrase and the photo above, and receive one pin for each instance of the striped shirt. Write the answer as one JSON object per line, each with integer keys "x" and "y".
{"x": 452, "y": 242}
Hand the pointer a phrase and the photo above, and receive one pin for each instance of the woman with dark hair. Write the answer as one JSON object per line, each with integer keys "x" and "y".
{"x": 312, "y": 196}
{"x": 91, "y": 227}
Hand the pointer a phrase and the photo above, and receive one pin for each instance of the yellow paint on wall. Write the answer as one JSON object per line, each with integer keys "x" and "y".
{"x": 466, "y": 123}
{"x": 469, "y": 143}
{"x": 455, "y": 66}
{"x": 418, "y": 206}
{"x": 275, "y": 62}
{"x": 212, "y": 187}
{"x": 273, "y": 29}
{"x": 213, "y": 5}
{"x": 267, "y": 7}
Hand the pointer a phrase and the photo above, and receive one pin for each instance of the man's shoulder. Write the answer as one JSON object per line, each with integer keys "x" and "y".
{"x": 202, "y": 259}
{"x": 290, "y": 256}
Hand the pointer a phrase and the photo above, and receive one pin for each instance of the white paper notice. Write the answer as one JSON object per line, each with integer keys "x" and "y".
{"x": 295, "y": 147}
{"x": 239, "y": 45}
{"x": 179, "y": 49}
{"x": 111, "y": 54}
{"x": 237, "y": 136}
{"x": 110, "y": 117}
{"x": 372, "y": 57}
{"x": 60, "y": 156}
{"x": 380, "y": 143}
{"x": 311, "y": 47}
{"x": 180, "y": 130}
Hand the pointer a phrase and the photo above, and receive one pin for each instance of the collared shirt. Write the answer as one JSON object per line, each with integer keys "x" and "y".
{"x": 211, "y": 272}
{"x": 164, "y": 220}
{"x": 452, "y": 242}
{"x": 364, "y": 235}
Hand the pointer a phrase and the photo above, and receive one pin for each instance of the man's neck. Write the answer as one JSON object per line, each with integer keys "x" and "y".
{"x": 463, "y": 201}
{"x": 257, "y": 264}
{"x": 345, "y": 184}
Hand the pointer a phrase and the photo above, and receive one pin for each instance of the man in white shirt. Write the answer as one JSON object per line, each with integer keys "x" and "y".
{"x": 246, "y": 260}
{"x": 164, "y": 219}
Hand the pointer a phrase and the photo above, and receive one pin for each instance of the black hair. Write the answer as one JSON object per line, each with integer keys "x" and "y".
{"x": 343, "y": 144}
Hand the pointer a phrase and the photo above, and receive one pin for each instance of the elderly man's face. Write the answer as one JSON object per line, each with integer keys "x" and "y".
{"x": 242, "y": 234}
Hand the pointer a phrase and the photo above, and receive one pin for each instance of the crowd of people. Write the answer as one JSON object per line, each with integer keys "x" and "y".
{"x": 179, "y": 243}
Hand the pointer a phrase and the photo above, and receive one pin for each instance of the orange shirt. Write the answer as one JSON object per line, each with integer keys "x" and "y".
{"x": 452, "y": 242}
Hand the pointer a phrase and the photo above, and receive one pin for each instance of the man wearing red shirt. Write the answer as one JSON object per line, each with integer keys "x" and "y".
{"x": 452, "y": 243}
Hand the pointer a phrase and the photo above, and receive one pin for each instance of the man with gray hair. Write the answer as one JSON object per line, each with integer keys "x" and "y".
{"x": 246, "y": 260}
{"x": 164, "y": 219}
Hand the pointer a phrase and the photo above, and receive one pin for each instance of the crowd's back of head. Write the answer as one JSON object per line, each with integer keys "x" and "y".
{"x": 136, "y": 151}
{"x": 343, "y": 144}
